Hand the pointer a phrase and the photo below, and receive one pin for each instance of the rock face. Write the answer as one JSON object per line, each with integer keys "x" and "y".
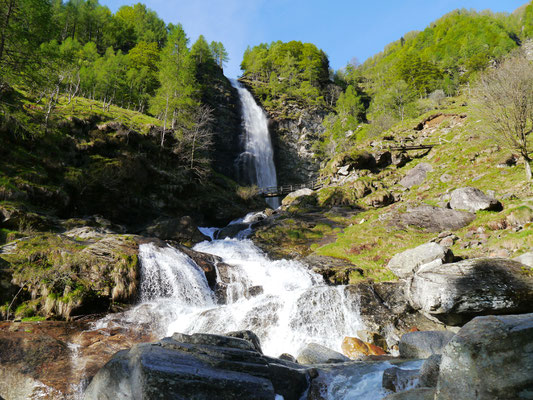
{"x": 316, "y": 354}
{"x": 416, "y": 176}
{"x": 406, "y": 263}
{"x": 472, "y": 199}
{"x": 455, "y": 293}
{"x": 434, "y": 219}
{"x": 200, "y": 366}
{"x": 293, "y": 139}
{"x": 423, "y": 344}
{"x": 490, "y": 358}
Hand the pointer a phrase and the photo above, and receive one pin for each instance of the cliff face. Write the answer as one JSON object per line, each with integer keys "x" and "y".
{"x": 293, "y": 141}
{"x": 223, "y": 99}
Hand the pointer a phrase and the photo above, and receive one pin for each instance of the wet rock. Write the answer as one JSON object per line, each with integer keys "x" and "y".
{"x": 182, "y": 230}
{"x": 455, "y": 293}
{"x": 207, "y": 262}
{"x": 472, "y": 199}
{"x": 490, "y": 358}
{"x": 416, "y": 176}
{"x": 249, "y": 336}
{"x": 526, "y": 259}
{"x": 355, "y": 348}
{"x": 314, "y": 353}
{"x": 406, "y": 263}
{"x": 413, "y": 394}
{"x": 199, "y": 366}
{"x": 423, "y": 344}
{"x": 429, "y": 372}
{"x": 397, "y": 380}
{"x": 434, "y": 219}
{"x": 231, "y": 231}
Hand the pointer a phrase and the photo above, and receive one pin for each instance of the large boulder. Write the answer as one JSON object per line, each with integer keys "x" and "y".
{"x": 315, "y": 353}
{"x": 434, "y": 219}
{"x": 416, "y": 176}
{"x": 455, "y": 293}
{"x": 423, "y": 344}
{"x": 199, "y": 366}
{"x": 406, "y": 263}
{"x": 472, "y": 199}
{"x": 490, "y": 358}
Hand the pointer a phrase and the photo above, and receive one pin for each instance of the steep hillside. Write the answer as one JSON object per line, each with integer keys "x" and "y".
{"x": 376, "y": 201}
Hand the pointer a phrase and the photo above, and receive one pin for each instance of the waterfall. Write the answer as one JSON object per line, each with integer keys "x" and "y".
{"x": 282, "y": 301}
{"x": 257, "y": 159}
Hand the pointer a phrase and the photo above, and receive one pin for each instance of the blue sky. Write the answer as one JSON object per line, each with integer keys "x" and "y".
{"x": 344, "y": 29}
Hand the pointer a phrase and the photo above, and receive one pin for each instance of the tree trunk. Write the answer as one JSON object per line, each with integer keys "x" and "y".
{"x": 527, "y": 163}
{"x": 4, "y": 29}
{"x": 164, "y": 124}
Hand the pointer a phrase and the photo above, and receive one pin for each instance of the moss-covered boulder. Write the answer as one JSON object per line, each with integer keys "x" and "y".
{"x": 63, "y": 275}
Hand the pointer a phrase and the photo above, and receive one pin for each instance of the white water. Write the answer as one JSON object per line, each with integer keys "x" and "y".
{"x": 257, "y": 143}
{"x": 291, "y": 307}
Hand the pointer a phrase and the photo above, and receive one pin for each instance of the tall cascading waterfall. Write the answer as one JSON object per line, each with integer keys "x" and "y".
{"x": 257, "y": 159}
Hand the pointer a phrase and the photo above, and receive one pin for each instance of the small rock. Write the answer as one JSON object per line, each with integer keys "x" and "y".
{"x": 423, "y": 344}
{"x": 315, "y": 353}
{"x": 354, "y": 348}
{"x": 444, "y": 178}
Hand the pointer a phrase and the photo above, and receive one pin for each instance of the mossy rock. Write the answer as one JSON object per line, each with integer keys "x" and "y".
{"x": 63, "y": 277}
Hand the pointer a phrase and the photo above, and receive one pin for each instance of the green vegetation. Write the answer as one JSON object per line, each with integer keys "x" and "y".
{"x": 281, "y": 72}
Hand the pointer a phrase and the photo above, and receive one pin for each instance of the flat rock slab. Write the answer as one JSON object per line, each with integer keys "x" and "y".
{"x": 434, "y": 219}
{"x": 489, "y": 358}
{"x": 199, "y": 366}
{"x": 416, "y": 176}
{"x": 457, "y": 292}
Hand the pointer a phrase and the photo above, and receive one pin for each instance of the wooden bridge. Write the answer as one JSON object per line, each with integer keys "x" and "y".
{"x": 277, "y": 191}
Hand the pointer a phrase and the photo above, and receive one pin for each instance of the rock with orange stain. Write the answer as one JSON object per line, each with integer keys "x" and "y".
{"x": 354, "y": 348}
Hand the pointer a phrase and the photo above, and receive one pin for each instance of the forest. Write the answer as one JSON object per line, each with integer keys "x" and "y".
{"x": 131, "y": 59}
